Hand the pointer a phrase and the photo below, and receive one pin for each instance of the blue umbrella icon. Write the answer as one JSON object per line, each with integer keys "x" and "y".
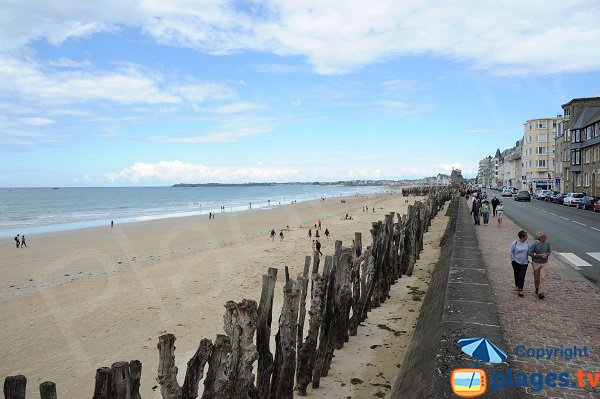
{"x": 482, "y": 349}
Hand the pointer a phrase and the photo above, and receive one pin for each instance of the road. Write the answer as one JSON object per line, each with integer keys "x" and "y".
{"x": 574, "y": 234}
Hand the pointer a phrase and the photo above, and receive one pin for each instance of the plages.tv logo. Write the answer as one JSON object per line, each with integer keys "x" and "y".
{"x": 472, "y": 382}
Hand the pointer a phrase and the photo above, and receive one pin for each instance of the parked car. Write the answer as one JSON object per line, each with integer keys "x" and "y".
{"x": 597, "y": 206}
{"x": 549, "y": 197}
{"x": 537, "y": 193}
{"x": 507, "y": 193}
{"x": 572, "y": 199}
{"x": 522, "y": 196}
{"x": 587, "y": 202}
{"x": 542, "y": 196}
{"x": 558, "y": 198}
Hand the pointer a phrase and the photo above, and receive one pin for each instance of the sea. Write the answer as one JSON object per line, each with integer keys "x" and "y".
{"x": 42, "y": 210}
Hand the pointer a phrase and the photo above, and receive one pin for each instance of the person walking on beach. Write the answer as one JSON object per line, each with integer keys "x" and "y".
{"x": 475, "y": 209}
{"x": 319, "y": 224}
{"x": 317, "y": 235}
{"x": 309, "y": 233}
{"x": 17, "y": 241}
{"x": 273, "y": 235}
{"x": 539, "y": 252}
{"x": 112, "y": 224}
{"x": 314, "y": 246}
{"x": 281, "y": 235}
{"x": 485, "y": 212}
{"x": 500, "y": 213}
{"x": 495, "y": 203}
{"x": 518, "y": 252}
{"x": 209, "y": 215}
{"x": 23, "y": 244}
{"x": 327, "y": 233}
{"x": 318, "y": 247}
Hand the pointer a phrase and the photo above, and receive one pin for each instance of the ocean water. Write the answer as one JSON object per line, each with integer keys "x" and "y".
{"x": 40, "y": 210}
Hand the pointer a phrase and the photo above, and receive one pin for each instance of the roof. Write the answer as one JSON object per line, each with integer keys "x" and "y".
{"x": 580, "y": 99}
{"x": 587, "y": 117}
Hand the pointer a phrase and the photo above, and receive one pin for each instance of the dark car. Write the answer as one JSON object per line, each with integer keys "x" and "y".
{"x": 522, "y": 196}
{"x": 597, "y": 206}
{"x": 558, "y": 199}
{"x": 548, "y": 198}
{"x": 587, "y": 202}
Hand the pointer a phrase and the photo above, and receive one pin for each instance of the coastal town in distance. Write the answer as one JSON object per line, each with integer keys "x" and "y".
{"x": 234, "y": 199}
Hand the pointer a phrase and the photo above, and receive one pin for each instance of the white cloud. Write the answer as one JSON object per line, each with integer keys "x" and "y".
{"x": 178, "y": 171}
{"x": 335, "y": 37}
{"x": 69, "y": 63}
{"x": 37, "y": 121}
{"x": 213, "y": 138}
{"x": 239, "y": 107}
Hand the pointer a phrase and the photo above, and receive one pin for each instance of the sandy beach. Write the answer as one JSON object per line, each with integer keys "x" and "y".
{"x": 78, "y": 300}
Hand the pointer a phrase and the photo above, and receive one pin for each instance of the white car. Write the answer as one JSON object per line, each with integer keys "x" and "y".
{"x": 542, "y": 196}
{"x": 572, "y": 199}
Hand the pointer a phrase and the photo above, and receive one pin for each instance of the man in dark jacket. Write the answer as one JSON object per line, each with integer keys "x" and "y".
{"x": 495, "y": 203}
{"x": 475, "y": 210}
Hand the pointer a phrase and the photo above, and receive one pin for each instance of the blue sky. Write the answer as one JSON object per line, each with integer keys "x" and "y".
{"x": 103, "y": 93}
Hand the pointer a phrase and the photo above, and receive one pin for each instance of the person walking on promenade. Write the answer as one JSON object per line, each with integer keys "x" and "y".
{"x": 485, "y": 212}
{"x": 495, "y": 203}
{"x": 539, "y": 252}
{"x": 518, "y": 252}
{"x": 500, "y": 213}
{"x": 475, "y": 209}
{"x": 23, "y": 244}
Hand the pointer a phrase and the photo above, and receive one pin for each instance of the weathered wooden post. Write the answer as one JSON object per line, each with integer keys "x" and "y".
{"x": 343, "y": 297}
{"x": 15, "y": 386}
{"x": 121, "y": 380}
{"x": 103, "y": 386}
{"x": 263, "y": 334}
{"x": 48, "y": 390}
{"x": 307, "y": 354}
{"x": 135, "y": 372}
{"x": 216, "y": 376}
{"x": 327, "y": 323}
{"x": 284, "y": 368}
{"x": 167, "y": 371}
{"x": 302, "y": 309}
{"x": 195, "y": 369}
{"x": 240, "y": 324}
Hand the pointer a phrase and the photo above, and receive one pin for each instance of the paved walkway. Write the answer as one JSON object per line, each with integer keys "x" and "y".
{"x": 567, "y": 317}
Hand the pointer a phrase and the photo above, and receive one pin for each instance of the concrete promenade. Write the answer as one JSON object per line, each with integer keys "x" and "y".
{"x": 567, "y": 317}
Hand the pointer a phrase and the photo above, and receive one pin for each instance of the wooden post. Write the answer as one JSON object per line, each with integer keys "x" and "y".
{"x": 326, "y": 320}
{"x": 121, "y": 380}
{"x": 167, "y": 371}
{"x": 216, "y": 376}
{"x": 48, "y": 390}
{"x": 307, "y": 354}
{"x": 263, "y": 334}
{"x": 135, "y": 372}
{"x": 195, "y": 369}
{"x": 343, "y": 297}
{"x": 240, "y": 324}
{"x": 284, "y": 369}
{"x": 103, "y": 387}
{"x": 15, "y": 386}
{"x": 302, "y": 309}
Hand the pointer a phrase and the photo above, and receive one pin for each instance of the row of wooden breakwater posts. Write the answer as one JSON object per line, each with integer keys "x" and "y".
{"x": 351, "y": 283}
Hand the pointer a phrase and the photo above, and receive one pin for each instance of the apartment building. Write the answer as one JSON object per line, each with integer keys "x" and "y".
{"x": 537, "y": 155}
{"x": 489, "y": 170}
{"x": 580, "y": 139}
{"x": 561, "y": 156}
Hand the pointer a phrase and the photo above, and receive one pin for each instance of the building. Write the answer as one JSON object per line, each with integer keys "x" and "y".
{"x": 574, "y": 170}
{"x": 456, "y": 178}
{"x": 585, "y": 145}
{"x": 561, "y": 156}
{"x": 537, "y": 155}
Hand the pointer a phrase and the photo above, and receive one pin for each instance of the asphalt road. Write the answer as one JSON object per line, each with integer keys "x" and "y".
{"x": 573, "y": 234}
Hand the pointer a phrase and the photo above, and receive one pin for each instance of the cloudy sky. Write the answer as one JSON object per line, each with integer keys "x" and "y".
{"x": 147, "y": 92}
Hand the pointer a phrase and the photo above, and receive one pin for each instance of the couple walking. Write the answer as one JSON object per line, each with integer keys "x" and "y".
{"x": 520, "y": 251}
{"x": 20, "y": 242}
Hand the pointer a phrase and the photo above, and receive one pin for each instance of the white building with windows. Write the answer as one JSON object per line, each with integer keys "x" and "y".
{"x": 537, "y": 156}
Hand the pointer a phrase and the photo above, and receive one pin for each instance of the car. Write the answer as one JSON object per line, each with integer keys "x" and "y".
{"x": 536, "y": 193}
{"x": 572, "y": 199}
{"x": 587, "y": 202}
{"x": 597, "y": 206}
{"x": 522, "y": 196}
{"x": 542, "y": 196}
{"x": 558, "y": 198}
{"x": 507, "y": 193}
{"x": 549, "y": 197}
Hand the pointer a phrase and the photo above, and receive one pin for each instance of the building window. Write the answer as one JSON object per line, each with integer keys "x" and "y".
{"x": 542, "y": 138}
{"x": 588, "y": 133}
{"x": 540, "y": 163}
{"x": 596, "y": 151}
{"x": 586, "y": 179}
{"x": 578, "y": 179}
{"x": 541, "y": 150}
{"x": 586, "y": 156}
{"x": 542, "y": 125}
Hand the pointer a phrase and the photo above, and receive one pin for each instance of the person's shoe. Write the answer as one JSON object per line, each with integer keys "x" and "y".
{"x": 541, "y": 295}
{"x": 521, "y": 293}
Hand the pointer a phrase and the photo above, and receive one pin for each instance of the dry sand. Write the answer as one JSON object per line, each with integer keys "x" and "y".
{"x": 75, "y": 301}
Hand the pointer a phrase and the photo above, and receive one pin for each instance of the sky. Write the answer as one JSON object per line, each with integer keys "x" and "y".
{"x": 147, "y": 92}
